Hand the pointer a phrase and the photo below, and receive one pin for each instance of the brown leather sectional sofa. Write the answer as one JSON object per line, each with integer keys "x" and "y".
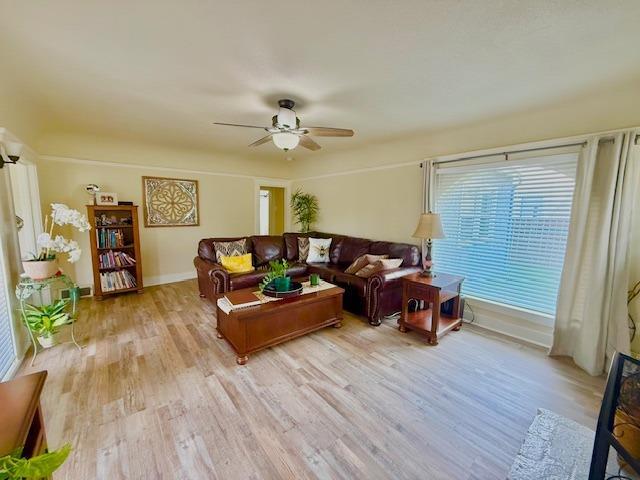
{"x": 373, "y": 297}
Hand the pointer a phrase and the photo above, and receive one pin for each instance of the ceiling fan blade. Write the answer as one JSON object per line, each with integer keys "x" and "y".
{"x": 307, "y": 142}
{"x": 328, "y": 132}
{"x": 261, "y": 141}
{"x": 238, "y": 125}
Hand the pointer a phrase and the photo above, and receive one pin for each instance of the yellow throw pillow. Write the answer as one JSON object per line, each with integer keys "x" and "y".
{"x": 237, "y": 263}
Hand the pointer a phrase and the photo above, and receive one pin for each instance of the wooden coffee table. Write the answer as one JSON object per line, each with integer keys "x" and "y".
{"x": 251, "y": 329}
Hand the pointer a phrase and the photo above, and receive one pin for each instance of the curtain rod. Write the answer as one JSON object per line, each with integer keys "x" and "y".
{"x": 576, "y": 144}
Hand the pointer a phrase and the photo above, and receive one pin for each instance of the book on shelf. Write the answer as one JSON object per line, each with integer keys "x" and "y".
{"x": 113, "y": 259}
{"x": 110, "y": 237}
{"x": 118, "y": 280}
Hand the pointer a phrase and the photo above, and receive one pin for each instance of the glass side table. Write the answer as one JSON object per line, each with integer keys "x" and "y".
{"x": 27, "y": 286}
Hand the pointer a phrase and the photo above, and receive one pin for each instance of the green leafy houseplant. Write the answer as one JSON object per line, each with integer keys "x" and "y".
{"x": 14, "y": 467}
{"x": 305, "y": 209}
{"x": 45, "y": 321}
{"x": 278, "y": 275}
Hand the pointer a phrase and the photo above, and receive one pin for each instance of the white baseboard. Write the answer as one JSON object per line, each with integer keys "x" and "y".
{"x": 168, "y": 278}
{"x": 512, "y": 326}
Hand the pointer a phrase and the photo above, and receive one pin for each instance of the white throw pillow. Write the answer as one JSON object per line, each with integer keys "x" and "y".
{"x": 319, "y": 250}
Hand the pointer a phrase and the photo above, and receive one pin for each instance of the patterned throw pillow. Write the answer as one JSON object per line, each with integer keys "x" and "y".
{"x": 379, "y": 266}
{"x": 319, "y": 250}
{"x": 362, "y": 261}
{"x": 230, "y": 249}
{"x": 303, "y": 249}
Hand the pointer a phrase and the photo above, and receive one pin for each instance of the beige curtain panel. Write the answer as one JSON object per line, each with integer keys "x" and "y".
{"x": 592, "y": 314}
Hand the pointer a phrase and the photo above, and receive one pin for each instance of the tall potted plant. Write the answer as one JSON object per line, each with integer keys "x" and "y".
{"x": 43, "y": 264}
{"x": 305, "y": 209}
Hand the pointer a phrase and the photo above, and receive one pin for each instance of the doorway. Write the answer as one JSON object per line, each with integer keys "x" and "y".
{"x": 271, "y": 210}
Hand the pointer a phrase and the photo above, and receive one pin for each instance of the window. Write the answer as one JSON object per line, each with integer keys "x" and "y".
{"x": 7, "y": 350}
{"x": 506, "y": 225}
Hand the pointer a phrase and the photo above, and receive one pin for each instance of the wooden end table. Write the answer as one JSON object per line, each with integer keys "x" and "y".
{"x": 254, "y": 328}
{"x": 21, "y": 421}
{"x": 431, "y": 322}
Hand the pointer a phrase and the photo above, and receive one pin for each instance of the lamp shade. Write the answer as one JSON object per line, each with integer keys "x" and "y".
{"x": 429, "y": 226}
{"x": 285, "y": 140}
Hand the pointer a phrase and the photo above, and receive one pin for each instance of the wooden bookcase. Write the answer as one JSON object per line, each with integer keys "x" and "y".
{"x": 114, "y": 231}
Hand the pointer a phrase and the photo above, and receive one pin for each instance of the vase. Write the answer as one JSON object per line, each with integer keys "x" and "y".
{"x": 47, "y": 342}
{"x": 282, "y": 284}
{"x": 40, "y": 270}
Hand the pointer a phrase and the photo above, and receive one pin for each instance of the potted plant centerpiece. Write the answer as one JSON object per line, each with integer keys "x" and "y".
{"x": 43, "y": 265}
{"x": 278, "y": 276}
{"x": 46, "y": 320}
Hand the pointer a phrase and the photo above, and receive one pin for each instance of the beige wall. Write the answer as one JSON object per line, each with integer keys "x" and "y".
{"x": 226, "y": 209}
{"x": 380, "y": 204}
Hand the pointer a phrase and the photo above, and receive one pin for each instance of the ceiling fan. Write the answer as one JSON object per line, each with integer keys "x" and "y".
{"x": 286, "y": 132}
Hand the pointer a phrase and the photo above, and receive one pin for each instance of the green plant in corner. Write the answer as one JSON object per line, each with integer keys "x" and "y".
{"x": 15, "y": 467}
{"x": 305, "y": 209}
{"x": 45, "y": 321}
{"x": 277, "y": 269}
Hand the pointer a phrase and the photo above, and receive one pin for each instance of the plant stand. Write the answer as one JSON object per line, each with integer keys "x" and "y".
{"x": 27, "y": 286}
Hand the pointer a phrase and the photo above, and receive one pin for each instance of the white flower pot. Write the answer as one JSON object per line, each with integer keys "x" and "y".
{"x": 47, "y": 342}
{"x": 40, "y": 270}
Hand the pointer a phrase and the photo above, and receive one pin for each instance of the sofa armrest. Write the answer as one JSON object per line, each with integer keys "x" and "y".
{"x": 211, "y": 273}
{"x": 380, "y": 281}
{"x": 395, "y": 274}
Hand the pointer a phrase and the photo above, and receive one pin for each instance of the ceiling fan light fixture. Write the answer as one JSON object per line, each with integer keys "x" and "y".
{"x": 287, "y": 118}
{"x": 285, "y": 140}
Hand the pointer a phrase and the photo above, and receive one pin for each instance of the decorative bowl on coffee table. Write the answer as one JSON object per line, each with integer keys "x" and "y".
{"x": 294, "y": 290}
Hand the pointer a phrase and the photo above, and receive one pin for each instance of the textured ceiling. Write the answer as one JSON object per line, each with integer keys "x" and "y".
{"x": 162, "y": 71}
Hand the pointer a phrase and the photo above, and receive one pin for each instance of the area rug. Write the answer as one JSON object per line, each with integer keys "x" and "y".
{"x": 557, "y": 448}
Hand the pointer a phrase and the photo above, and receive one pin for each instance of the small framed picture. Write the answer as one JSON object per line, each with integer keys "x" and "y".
{"x": 106, "y": 198}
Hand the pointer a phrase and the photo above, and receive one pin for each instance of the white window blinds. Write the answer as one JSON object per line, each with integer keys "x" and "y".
{"x": 7, "y": 350}
{"x": 506, "y": 224}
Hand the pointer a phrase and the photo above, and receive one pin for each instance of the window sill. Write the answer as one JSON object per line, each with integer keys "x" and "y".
{"x": 510, "y": 310}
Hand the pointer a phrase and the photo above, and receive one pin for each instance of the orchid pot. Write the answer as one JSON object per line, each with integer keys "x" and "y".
{"x": 40, "y": 269}
{"x": 43, "y": 263}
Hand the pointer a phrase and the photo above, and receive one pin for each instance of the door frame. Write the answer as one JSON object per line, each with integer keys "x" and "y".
{"x": 271, "y": 182}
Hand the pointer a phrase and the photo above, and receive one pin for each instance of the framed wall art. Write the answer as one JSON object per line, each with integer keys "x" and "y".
{"x": 170, "y": 202}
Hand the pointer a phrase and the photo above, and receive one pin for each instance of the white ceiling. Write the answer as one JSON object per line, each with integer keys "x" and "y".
{"x": 162, "y": 71}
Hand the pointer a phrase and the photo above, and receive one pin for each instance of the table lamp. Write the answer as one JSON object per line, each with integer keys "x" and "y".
{"x": 429, "y": 227}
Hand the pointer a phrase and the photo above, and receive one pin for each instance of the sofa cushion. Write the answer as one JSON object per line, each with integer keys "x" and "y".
{"x": 351, "y": 282}
{"x": 230, "y": 249}
{"x": 353, "y": 248}
{"x": 327, "y": 271}
{"x": 291, "y": 245}
{"x": 267, "y": 248}
{"x": 246, "y": 280}
{"x": 253, "y": 279}
{"x": 410, "y": 254}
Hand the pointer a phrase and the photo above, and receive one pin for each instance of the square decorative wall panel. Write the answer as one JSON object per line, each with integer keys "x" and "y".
{"x": 170, "y": 202}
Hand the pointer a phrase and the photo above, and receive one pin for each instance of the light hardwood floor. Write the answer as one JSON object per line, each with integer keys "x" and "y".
{"x": 155, "y": 395}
